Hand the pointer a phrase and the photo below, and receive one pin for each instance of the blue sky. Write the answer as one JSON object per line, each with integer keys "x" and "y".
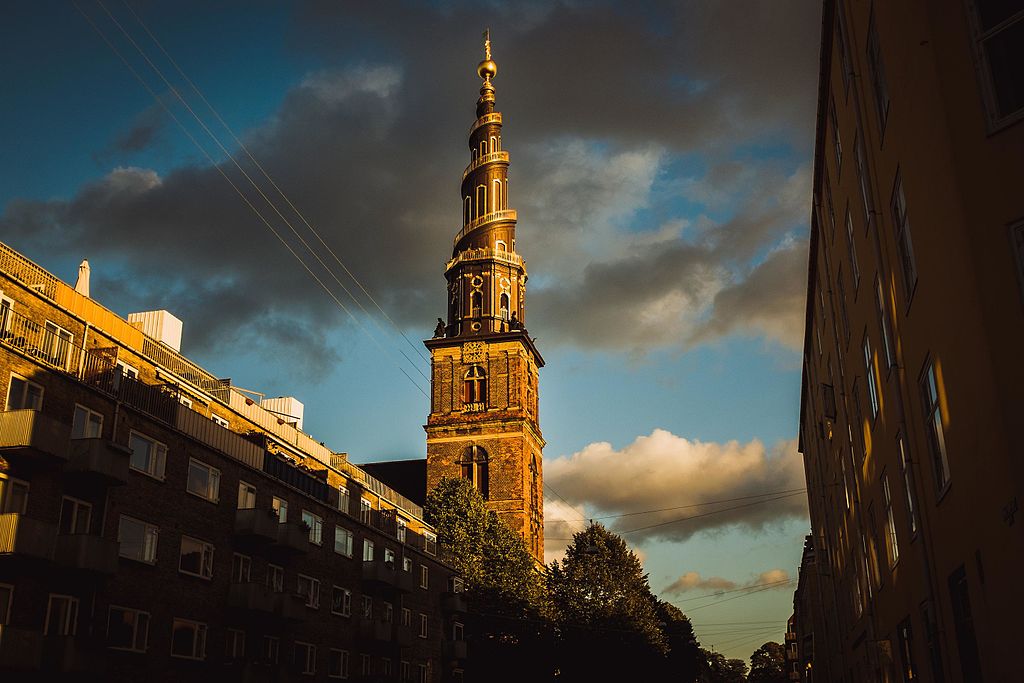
{"x": 660, "y": 166}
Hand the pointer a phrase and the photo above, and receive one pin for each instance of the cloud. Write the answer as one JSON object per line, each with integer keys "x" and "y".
{"x": 682, "y": 480}
{"x": 690, "y": 581}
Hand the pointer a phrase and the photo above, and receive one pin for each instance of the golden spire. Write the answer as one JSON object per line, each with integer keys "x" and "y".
{"x": 487, "y": 70}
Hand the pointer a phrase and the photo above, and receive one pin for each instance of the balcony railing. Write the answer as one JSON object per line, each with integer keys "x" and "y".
{"x": 257, "y": 523}
{"x": 27, "y": 537}
{"x": 87, "y": 552}
{"x": 485, "y": 254}
{"x": 99, "y": 458}
{"x": 503, "y": 215}
{"x": 454, "y": 649}
{"x": 34, "y": 433}
{"x": 252, "y": 597}
{"x": 494, "y": 117}
{"x": 293, "y": 537}
{"x": 484, "y": 159}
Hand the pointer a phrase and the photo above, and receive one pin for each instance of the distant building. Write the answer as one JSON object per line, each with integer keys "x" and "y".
{"x": 911, "y": 403}
{"x": 159, "y": 524}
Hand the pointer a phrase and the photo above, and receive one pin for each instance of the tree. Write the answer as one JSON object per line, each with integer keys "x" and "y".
{"x": 682, "y": 662}
{"x": 768, "y": 664}
{"x": 717, "y": 669}
{"x": 604, "y": 609}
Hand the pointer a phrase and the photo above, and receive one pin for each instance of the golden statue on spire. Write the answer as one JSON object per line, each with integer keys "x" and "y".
{"x": 487, "y": 69}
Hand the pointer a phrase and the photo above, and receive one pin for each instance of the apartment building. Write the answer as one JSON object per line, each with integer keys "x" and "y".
{"x": 911, "y": 404}
{"x": 158, "y": 523}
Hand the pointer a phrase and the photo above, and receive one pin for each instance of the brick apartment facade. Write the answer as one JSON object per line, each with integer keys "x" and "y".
{"x": 158, "y": 524}
{"x": 911, "y": 402}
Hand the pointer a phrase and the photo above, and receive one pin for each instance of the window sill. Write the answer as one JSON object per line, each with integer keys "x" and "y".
{"x": 162, "y": 480}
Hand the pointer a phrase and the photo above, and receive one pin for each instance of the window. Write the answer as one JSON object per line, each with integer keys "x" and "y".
{"x": 271, "y": 649}
{"x": 999, "y": 35}
{"x": 963, "y": 621}
{"x": 188, "y": 639}
{"x": 891, "y": 543}
{"x": 75, "y": 516}
{"x": 503, "y": 306}
{"x": 234, "y": 644}
{"x": 148, "y": 455}
{"x": 343, "y": 499}
{"x": 275, "y": 578}
{"x": 843, "y": 314}
{"x": 309, "y": 589}
{"x": 23, "y": 394}
{"x": 365, "y": 510}
{"x": 6, "y": 594}
{"x": 246, "y": 496}
{"x": 474, "y": 389}
{"x": 57, "y": 344}
{"x": 934, "y": 427}
{"x": 280, "y": 506}
{"x": 430, "y": 542}
{"x": 842, "y": 44}
{"x": 86, "y": 424}
{"x": 883, "y": 324}
{"x": 904, "y": 243}
{"x": 61, "y": 616}
{"x": 481, "y": 200}
{"x": 908, "y": 483}
{"x": 475, "y": 303}
{"x": 196, "y": 558}
{"x": 364, "y": 665}
{"x": 203, "y": 480}
{"x": 406, "y": 564}
{"x": 337, "y": 664}
{"x": 869, "y": 371}
{"x": 877, "y": 71}
{"x": 137, "y": 540}
{"x": 385, "y": 667}
{"x": 6, "y": 315}
{"x": 367, "y": 550}
{"x": 863, "y": 178}
{"x": 424, "y": 576}
{"x": 389, "y": 558}
{"x": 475, "y": 469}
{"x": 185, "y": 401}
{"x": 406, "y": 617}
{"x": 852, "y": 250}
{"x": 388, "y": 613}
{"x": 217, "y": 419}
{"x": 315, "y": 524}
{"x": 400, "y": 532}
{"x": 457, "y": 584}
{"x": 341, "y": 601}
{"x": 837, "y": 143}
{"x": 367, "y": 607}
{"x": 240, "y": 568}
{"x": 424, "y": 676}
{"x": 458, "y": 631}
{"x": 127, "y": 629}
{"x": 405, "y": 672}
{"x": 343, "y": 541}
{"x": 905, "y": 641}
{"x": 423, "y": 625}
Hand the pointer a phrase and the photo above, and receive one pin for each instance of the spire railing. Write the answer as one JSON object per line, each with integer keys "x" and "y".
{"x": 503, "y": 215}
{"x": 485, "y": 254}
{"x": 493, "y": 117}
{"x": 484, "y": 159}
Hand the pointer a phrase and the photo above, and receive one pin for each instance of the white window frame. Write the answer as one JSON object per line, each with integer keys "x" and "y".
{"x": 407, "y": 564}
{"x": 424, "y": 576}
{"x": 185, "y": 401}
{"x": 148, "y": 542}
{"x": 406, "y": 617}
{"x": 199, "y": 633}
{"x": 311, "y": 592}
{"x": 137, "y": 631}
{"x": 402, "y": 529}
{"x": 316, "y": 527}
{"x": 346, "y": 601}
{"x": 430, "y": 542}
{"x": 217, "y": 419}
{"x": 59, "y": 342}
{"x": 347, "y": 539}
{"x": 934, "y": 424}
{"x": 280, "y": 505}
{"x": 78, "y": 508}
{"x": 6, "y": 309}
{"x": 22, "y": 402}
{"x": 368, "y": 550}
{"x": 275, "y": 578}
{"x": 246, "y": 495}
{"x": 241, "y": 568}
{"x": 308, "y": 663}
{"x": 69, "y": 618}
{"x": 206, "y": 551}
{"x": 82, "y": 422}
{"x": 366, "y": 607}
{"x": 234, "y": 644}
{"x": 423, "y": 625}
{"x": 271, "y": 650}
{"x": 365, "y": 510}
{"x": 344, "y": 499}
{"x": 211, "y": 490}
{"x": 389, "y": 557}
{"x": 343, "y": 662}
{"x": 156, "y": 456}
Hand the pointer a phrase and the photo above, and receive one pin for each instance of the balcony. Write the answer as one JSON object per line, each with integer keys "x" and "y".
{"x": 454, "y": 649}
{"x": 382, "y": 574}
{"x": 70, "y": 654}
{"x": 26, "y": 537}
{"x": 453, "y": 602}
{"x": 252, "y": 597}
{"x": 257, "y": 524}
{"x": 493, "y": 117}
{"x": 100, "y": 459}
{"x": 87, "y": 553}
{"x": 21, "y": 649}
{"x": 292, "y": 538}
{"x": 290, "y": 606}
{"x": 485, "y": 254}
{"x": 30, "y": 434}
{"x": 503, "y": 215}
{"x": 376, "y": 630}
{"x": 484, "y": 160}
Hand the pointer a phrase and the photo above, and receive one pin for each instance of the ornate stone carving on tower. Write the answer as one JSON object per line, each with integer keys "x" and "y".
{"x": 483, "y": 423}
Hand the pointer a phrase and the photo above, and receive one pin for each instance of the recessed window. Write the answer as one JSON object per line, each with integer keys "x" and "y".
{"x": 275, "y": 578}
{"x": 341, "y": 601}
{"x": 344, "y": 500}
{"x": 423, "y": 625}
{"x": 75, "y": 516}
{"x": 309, "y": 589}
{"x": 23, "y": 394}
{"x": 271, "y": 649}
{"x": 851, "y": 246}
{"x": 280, "y": 506}
{"x": 367, "y": 550}
{"x": 406, "y": 617}
{"x": 870, "y": 373}
{"x": 61, "y": 616}
{"x": 908, "y": 482}
{"x": 406, "y": 564}
{"x": 188, "y": 639}
{"x": 864, "y": 180}
{"x": 315, "y": 524}
{"x": 234, "y": 644}
{"x": 934, "y": 425}
{"x": 6, "y": 316}
{"x": 389, "y": 557}
{"x": 203, "y": 480}
{"x": 424, "y": 576}
{"x": 241, "y": 566}
{"x": 474, "y": 386}
{"x": 196, "y": 558}
{"x": 14, "y": 495}
{"x": 86, "y": 423}
{"x": 475, "y": 464}
{"x": 402, "y": 529}
{"x": 137, "y": 539}
{"x": 217, "y": 419}
{"x": 387, "y": 613}
{"x": 127, "y": 629}
{"x": 246, "y": 496}
{"x": 904, "y": 243}
{"x": 6, "y": 595}
{"x": 343, "y": 539}
{"x": 891, "y": 543}
{"x": 148, "y": 455}
{"x": 999, "y": 37}
{"x": 430, "y": 542}
{"x": 337, "y": 664}
{"x": 365, "y": 510}
{"x": 57, "y": 344}
{"x": 837, "y": 143}
{"x": 877, "y": 71}
{"x": 367, "y": 607}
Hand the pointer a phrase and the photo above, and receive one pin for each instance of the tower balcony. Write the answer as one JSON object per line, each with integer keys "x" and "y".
{"x": 494, "y": 216}
{"x": 493, "y": 117}
{"x": 486, "y": 254}
{"x": 483, "y": 160}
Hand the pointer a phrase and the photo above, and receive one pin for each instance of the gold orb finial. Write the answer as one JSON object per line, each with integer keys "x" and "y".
{"x": 487, "y": 69}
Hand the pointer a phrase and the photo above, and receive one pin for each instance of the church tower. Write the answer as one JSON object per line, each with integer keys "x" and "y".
{"x": 483, "y": 404}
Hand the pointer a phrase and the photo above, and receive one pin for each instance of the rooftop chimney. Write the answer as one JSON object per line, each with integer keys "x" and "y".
{"x": 159, "y": 325}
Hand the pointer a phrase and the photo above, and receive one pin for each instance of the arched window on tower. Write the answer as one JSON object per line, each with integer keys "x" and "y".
{"x": 494, "y": 144}
{"x": 474, "y": 469}
{"x": 474, "y": 388}
{"x": 467, "y": 210}
{"x": 483, "y": 147}
{"x": 475, "y": 300}
{"x": 481, "y": 200}
{"x": 504, "y": 307}
{"x": 496, "y": 195}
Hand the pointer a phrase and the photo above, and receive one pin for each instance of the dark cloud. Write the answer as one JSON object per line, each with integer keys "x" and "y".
{"x": 598, "y": 101}
{"x": 143, "y": 133}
